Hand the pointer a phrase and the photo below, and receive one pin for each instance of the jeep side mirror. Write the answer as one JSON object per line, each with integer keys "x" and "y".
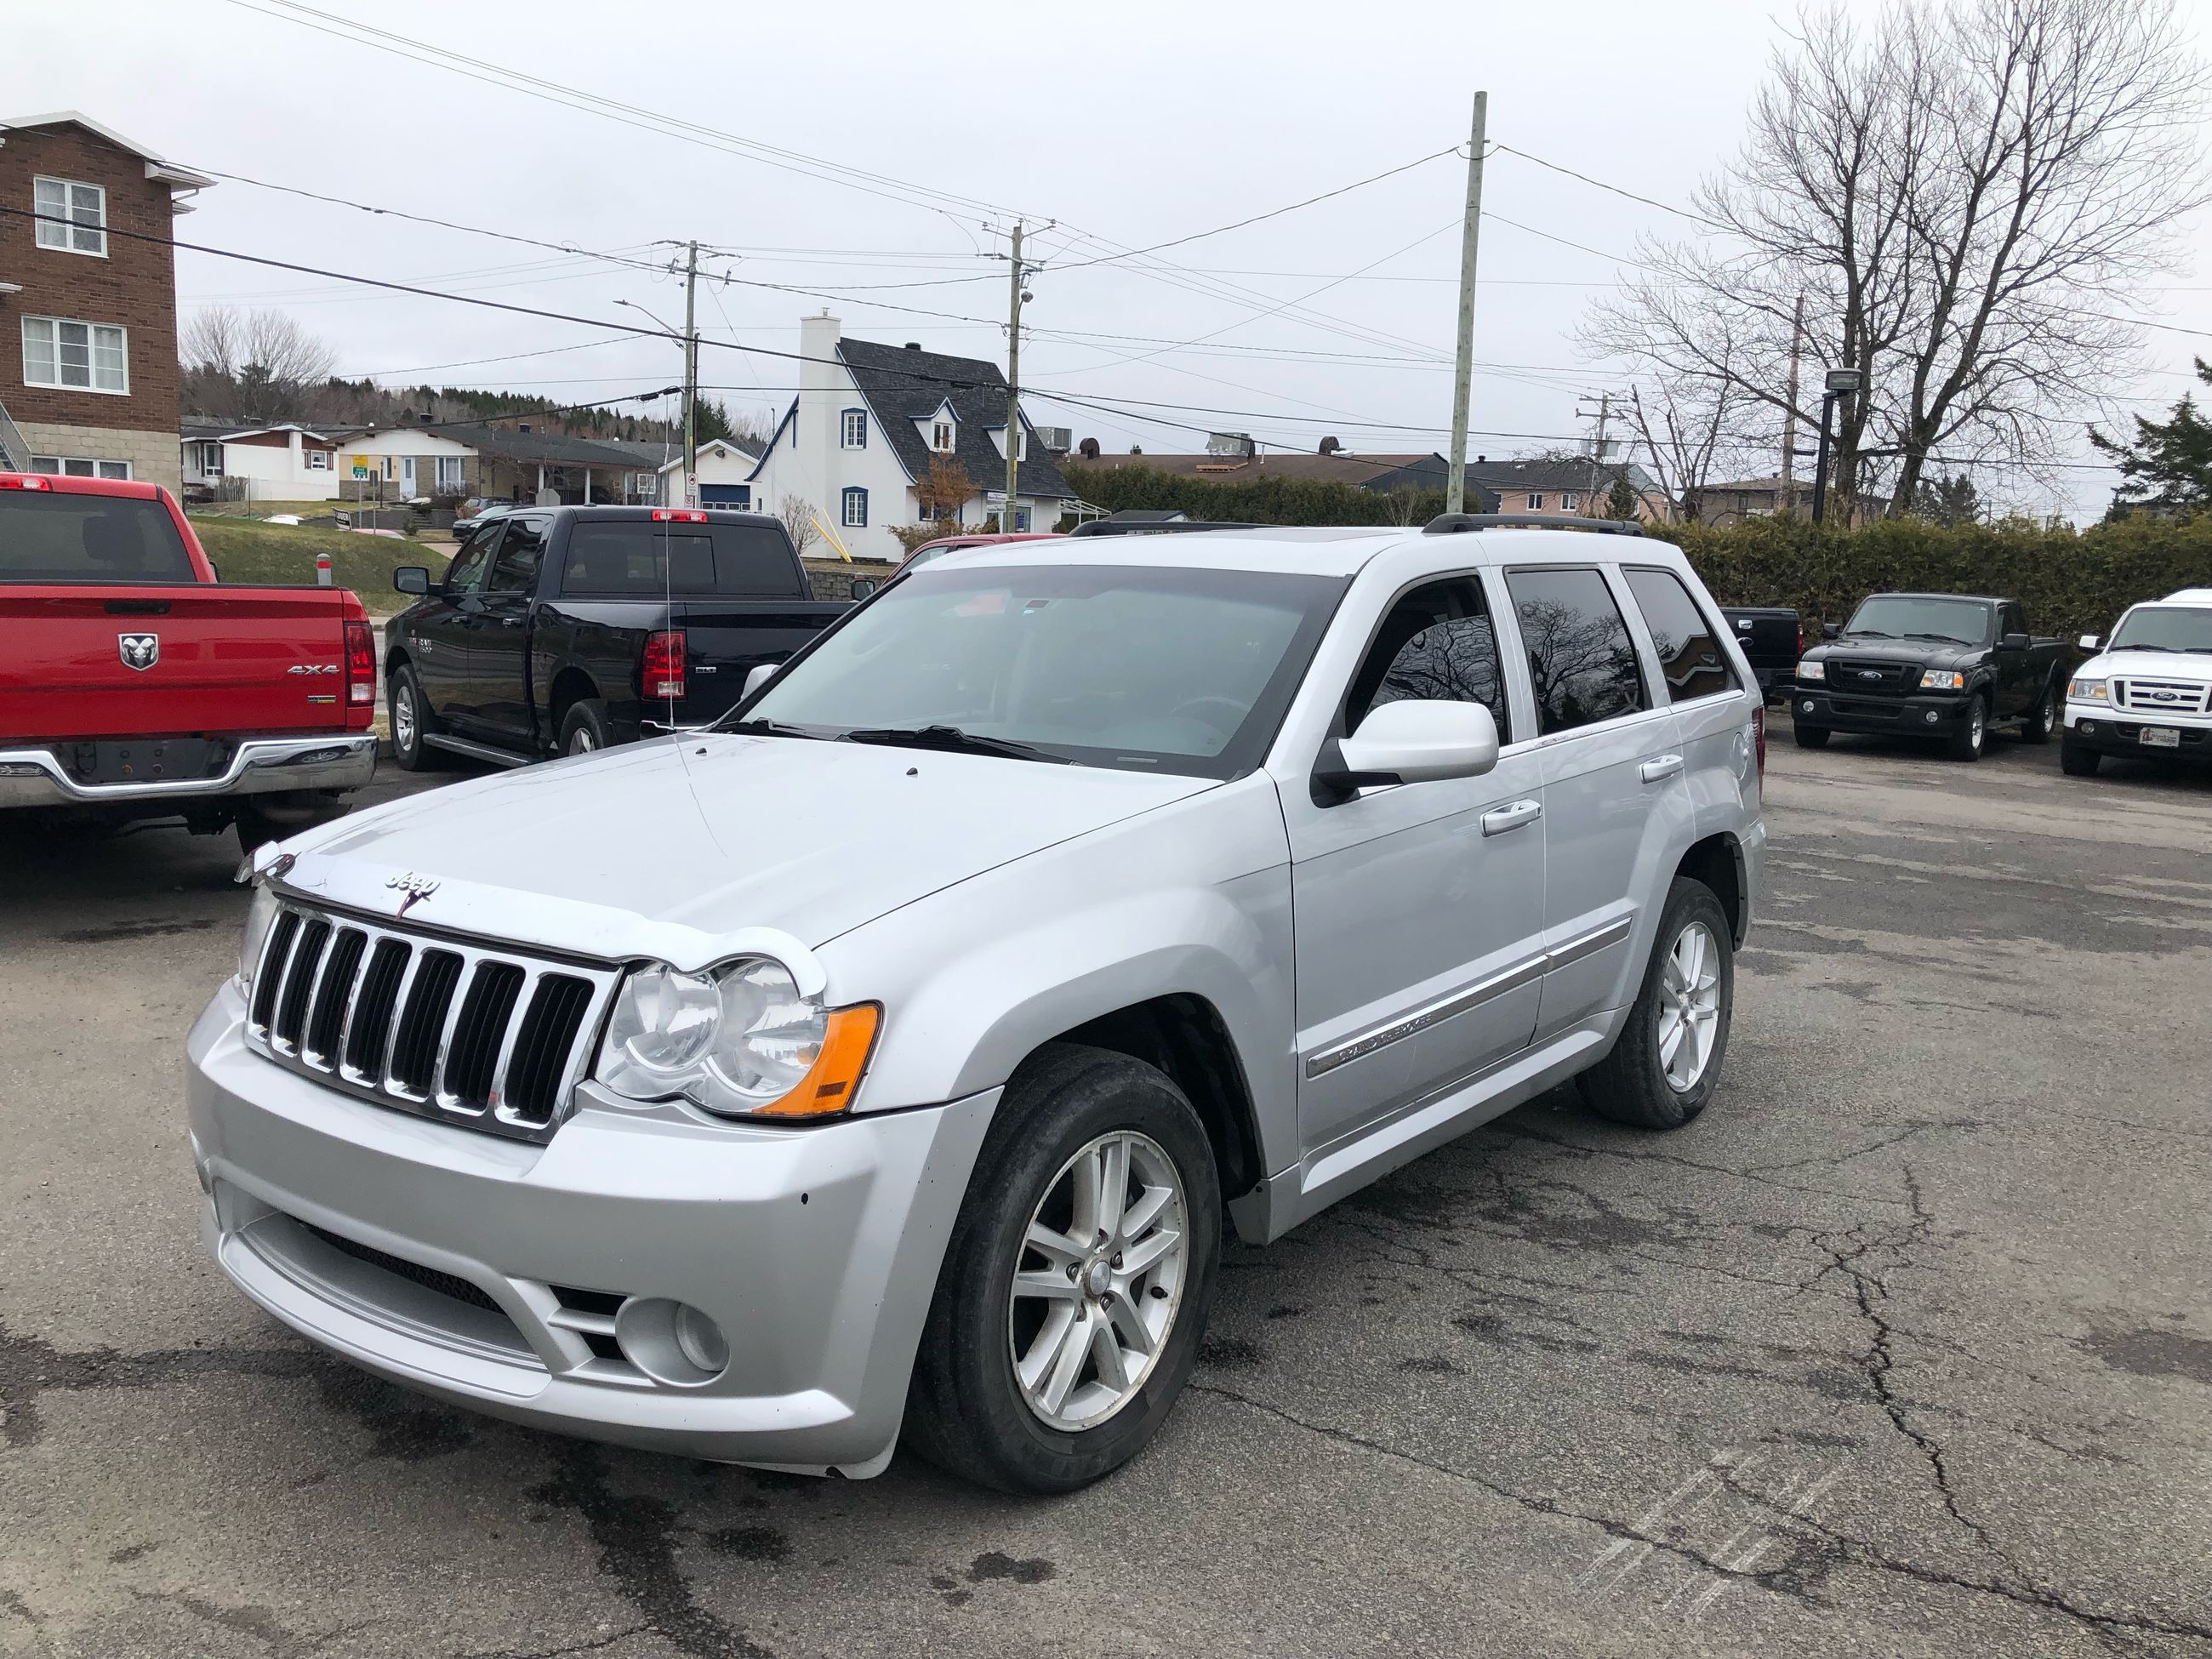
{"x": 1413, "y": 741}
{"x": 2014, "y": 642}
{"x": 757, "y": 676}
{"x": 1831, "y": 631}
{"x": 862, "y": 586}
{"x": 411, "y": 579}
{"x": 2087, "y": 641}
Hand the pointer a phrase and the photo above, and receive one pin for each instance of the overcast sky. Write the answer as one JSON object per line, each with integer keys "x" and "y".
{"x": 1131, "y": 123}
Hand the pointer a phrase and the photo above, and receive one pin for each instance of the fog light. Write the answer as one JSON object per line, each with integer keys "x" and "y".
{"x": 1932, "y": 717}
{"x": 700, "y": 1339}
{"x": 1805, "y": 707}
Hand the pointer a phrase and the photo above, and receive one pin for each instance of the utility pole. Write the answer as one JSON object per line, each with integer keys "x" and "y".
{"x": 1463, "y": 377}
{"x": 1789, "y": 501}
{"x": 691, "y": 379}
{"x": 1597, "y": 447}
{"x": 1014, "y": 298}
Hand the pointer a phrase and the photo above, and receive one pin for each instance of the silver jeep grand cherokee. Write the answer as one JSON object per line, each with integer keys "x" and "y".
{"x": 885, "y": 1061}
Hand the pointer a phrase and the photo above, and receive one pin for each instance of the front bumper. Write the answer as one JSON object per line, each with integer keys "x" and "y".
{"x": 1938, "y": 714}
{"x": 2091, "y": 726}
{"x": 334, "y": 760}
{"x": 816, "y": 1250}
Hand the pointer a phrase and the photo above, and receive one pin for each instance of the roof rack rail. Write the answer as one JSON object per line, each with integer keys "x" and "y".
{"x": 1118, "y": 526}
{"x": 1454, "y": 524}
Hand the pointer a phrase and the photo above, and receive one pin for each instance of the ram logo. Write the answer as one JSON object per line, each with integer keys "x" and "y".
{"x": 138, "y": 650}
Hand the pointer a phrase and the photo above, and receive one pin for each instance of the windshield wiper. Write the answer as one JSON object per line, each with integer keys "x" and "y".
{"x": 769, "y": 729}
{"x": 952, "y": 738}
{"x": 1867, "y": 633}
{"x": 1947, "y": 639}
{"x": 2205, "y": 650}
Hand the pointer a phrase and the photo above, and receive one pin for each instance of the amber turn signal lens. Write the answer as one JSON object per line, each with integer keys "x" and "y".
{"x": 835, "y": 1078}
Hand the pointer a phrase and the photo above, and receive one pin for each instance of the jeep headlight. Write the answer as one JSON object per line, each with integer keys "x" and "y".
{"x": 2088, "y": 690}
{"x": 1942, "y": 679}
{"x": 740, "y": 1040}
{"x": 260, "y": 913}
{"x": 1811, "y": 671}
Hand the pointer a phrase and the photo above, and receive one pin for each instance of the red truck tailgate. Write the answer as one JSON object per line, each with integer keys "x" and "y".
{"x": 172, "y": 659}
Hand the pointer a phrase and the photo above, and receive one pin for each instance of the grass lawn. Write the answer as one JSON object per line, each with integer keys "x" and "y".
{"x": 247, "y": 550}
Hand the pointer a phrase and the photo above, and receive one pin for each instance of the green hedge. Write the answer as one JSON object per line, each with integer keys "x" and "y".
{"x": 2069, "y": 583}
{"x": 1264, "y": 501}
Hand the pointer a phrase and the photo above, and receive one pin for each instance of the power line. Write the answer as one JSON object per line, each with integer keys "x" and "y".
{"x": 1648, "y": 200}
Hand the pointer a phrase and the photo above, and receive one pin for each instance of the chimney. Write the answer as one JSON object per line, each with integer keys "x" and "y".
{"x": 1329, "y": 446}
{"x": 1089, "y": 449}
{"x": 913, "y": 345}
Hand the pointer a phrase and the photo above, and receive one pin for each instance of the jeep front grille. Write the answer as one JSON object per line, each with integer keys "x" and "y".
{"x": 468, "y": 1034}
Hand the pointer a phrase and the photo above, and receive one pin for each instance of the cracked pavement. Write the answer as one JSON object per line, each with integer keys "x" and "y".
{"x": 1903, "y": 1348}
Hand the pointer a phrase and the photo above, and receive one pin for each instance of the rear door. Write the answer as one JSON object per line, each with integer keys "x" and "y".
{"x": 1610, "y": 759}
{"x": 499, "y": 651}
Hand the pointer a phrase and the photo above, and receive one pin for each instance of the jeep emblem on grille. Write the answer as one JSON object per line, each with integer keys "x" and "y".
{"x": 417, "y": 888}
{"x": 138, "y": 650}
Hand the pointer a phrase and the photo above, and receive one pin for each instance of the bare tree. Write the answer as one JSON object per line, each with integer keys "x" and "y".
{"x": 1971, "y": 198}
{"x": 797, "y": 516}
{"x": 260, "y": 363}
{"x": 1692, "y": 423}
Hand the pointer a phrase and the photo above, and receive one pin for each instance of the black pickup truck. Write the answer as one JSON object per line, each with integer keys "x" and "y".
{"x": 1945, "y": 666}
{"x": 562, "y": 630}
{"x": 1772, "y": 638}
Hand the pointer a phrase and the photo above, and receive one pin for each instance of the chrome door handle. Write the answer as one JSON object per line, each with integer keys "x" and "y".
{"x": 1497, "y": 822}
{"x": 1664, "y": 766}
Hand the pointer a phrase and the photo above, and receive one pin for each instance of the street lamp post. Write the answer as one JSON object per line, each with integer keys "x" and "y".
{"x": 1841, "y": 383}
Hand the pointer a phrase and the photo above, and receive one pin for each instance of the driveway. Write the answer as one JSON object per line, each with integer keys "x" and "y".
{"x": 1903, "y": 1348}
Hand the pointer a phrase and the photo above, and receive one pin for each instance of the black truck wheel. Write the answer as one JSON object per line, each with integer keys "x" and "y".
{"x": 1968, "y": 743}
{"x": 2042, "y": 720}
{"x": 410, "y": 715}
{"x": 584, "y": 729}
{"x": 2078, "y": 760}
{"x": 1812, "y": 736}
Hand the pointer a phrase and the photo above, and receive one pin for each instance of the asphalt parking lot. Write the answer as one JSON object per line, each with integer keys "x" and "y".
{"x": 1904, "y": 1348}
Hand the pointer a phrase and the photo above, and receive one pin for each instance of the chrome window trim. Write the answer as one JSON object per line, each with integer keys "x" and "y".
{"x": 1361, "y": 1044}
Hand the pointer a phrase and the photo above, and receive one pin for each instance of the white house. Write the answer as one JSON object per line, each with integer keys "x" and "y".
{"x": 405, "y": 460}
{"x": 868, "y": 422}
{"x": 725, "y": 474}
{"x": 282, "y": 462}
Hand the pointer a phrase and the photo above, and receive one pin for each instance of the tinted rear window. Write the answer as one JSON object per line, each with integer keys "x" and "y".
{"x": 54, "y": 538}
{"x": 644, "y": 561}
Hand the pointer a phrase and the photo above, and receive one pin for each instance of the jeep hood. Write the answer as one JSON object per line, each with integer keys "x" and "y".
{"x": 667, "y": 848}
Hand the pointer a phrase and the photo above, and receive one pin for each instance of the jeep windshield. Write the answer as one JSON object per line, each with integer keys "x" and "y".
{"x": 2163, "y": 628}
{"x": 1900, "y": 617}
{"x": 1137, "y": 667}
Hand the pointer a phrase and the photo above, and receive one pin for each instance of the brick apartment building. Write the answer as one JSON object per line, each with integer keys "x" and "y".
{"x": 88, "y": 313}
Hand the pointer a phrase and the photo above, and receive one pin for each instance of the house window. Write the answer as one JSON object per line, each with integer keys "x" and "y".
{"x": 1569, "y": 501}
{"x": 211, "y": 460}
{"x": 1535, "y": 502}
{"x": 71, "y": 217}
{"x": 856, "y": 509}
{"x": 76, "y": 356}
{"x": 940, "y": 437}
{"x": 318, "y": 460}
{"x": 73, "y": 466}
{"x": 450, "y": 472}
{"x": 854, "y": 429}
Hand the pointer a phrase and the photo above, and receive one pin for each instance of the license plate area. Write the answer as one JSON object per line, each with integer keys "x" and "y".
{"x": 2160, "y": 737}
{"x": 142, "y": 760}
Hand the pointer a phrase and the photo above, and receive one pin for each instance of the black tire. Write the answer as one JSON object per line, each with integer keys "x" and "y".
{"x": 1971, "y": 739}
{"x": 2078, "y": 760}
{"x": 1630, "y": 1084}
{"x": 965, "y": 1409}
{"x": 409, "y": 712}
{"x": 2042, "y": 720}
{"x": 1812, "y": 736}
{"x": 584, "y": 728}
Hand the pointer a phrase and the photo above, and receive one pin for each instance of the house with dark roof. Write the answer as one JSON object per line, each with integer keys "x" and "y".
{"x": 869, "y": 422}
{"x": 519, "y": 458}
{"x": 1571, "y": 484}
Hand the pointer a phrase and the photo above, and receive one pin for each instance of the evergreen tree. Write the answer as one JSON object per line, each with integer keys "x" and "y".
{"x": 2169, "y": 464}
{"x": 1621, "y": 501}
{"x": 1952, "y": 500}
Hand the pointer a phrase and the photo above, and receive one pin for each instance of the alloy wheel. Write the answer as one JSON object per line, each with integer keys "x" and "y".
{"x": 1689, "y": 1006}
{"x": 580, "y": 742}
{"x": 1098, "y": 1281}
{"x": 1977, "y": 728}
{"x": 403, "y": 716}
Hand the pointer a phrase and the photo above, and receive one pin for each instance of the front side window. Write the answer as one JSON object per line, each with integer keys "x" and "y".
{"x": 1142, "y": 668}
{"x": 515, "y": 570}
{"x": 1436, "y": 644}
{"x": 75, "y": 357}
{"x": 1581, "y": 660}
{"x": 856, "y": 509}
{"x": 72, "y": 217}
{"x": 1691, "y": 661}
{"x": 466, "y": 574}
{"x": 855, "y": 429}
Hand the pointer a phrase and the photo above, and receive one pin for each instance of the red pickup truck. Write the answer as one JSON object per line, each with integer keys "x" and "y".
{"x": 132, "y": 686}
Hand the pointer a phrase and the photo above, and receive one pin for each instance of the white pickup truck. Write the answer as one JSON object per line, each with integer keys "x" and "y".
{"x": 2148, "y": 694}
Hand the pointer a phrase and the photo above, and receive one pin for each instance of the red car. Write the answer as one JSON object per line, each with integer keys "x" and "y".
{"x": 944, "y": 545}
{"x": 132, "y": 686}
